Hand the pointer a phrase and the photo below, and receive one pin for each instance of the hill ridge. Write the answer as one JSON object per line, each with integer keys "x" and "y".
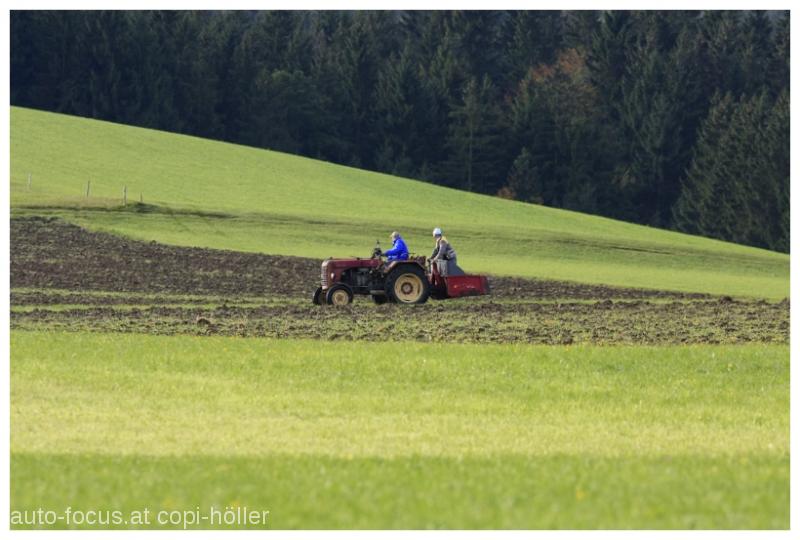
{"x": 290, "y": 205}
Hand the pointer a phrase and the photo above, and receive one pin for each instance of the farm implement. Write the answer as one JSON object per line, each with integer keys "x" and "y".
{"x": 412, "y": 281}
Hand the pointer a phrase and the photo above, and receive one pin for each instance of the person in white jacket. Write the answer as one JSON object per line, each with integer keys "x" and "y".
{"x": 444, "y": 256}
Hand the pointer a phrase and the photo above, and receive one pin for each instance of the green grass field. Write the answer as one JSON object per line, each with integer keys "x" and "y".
{"x": 403, "y": 435}
{"x": 219, "y": 195}
{"x": 326, "y": 434}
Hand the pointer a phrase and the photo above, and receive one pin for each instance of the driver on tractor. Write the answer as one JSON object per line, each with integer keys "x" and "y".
{"x": 399, "y": 251}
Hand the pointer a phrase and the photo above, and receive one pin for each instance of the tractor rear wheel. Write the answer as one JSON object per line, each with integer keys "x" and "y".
{"x": 339, "y": 295}
{"x": 407, "y": 284}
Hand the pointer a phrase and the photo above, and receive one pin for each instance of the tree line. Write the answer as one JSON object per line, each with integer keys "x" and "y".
{"x": 675, "y": 119}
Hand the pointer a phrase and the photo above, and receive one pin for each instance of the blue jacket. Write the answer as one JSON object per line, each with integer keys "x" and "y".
{"x": 399, "y": 251}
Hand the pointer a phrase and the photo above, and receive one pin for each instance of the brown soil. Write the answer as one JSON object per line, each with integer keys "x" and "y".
{"x": 51, "y": 254}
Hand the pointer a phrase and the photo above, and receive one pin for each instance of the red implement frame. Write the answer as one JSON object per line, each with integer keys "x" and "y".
{"x": 457, "y": 286}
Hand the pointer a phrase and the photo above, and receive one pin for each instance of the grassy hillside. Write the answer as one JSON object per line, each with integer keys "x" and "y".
{"x": 354, "y": 435}
{"x": 220, "y": 195}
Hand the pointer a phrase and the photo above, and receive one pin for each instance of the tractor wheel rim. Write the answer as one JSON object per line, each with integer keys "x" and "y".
{"x": 408, "y": 288}
{"x": 339, "y": 298}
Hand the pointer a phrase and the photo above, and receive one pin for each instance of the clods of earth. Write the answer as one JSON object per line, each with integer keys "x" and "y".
{"x": 64, "y": 277}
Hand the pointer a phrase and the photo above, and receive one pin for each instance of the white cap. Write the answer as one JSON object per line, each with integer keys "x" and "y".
{"x": 437, "y": 232}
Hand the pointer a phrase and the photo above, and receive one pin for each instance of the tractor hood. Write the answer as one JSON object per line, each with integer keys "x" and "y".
{"x": 332, "y": 268}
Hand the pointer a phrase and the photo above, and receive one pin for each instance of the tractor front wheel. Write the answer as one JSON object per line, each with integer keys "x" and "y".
{"x": 339, "y": 295}
{"x": 317, "y": 298}
{"x": 407, "y": 285}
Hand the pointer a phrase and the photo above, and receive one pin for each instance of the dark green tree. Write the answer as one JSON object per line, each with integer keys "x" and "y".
{"x": 595, "y": 111}
{"x": 524, "y": 179}
{"x": 778, "y": 78}
{"x": 404, "y": 107}
{"x": 473, "y": 161}
{"x": 737, "y": 186}
{"x": 607, "y": 57}
{"x": 536, "y": 38}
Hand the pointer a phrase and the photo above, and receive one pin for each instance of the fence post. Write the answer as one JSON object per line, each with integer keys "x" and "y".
{"x": 124, "y": 195}
{"x": 29, "y": 181}
{"x": 88, "y": 186}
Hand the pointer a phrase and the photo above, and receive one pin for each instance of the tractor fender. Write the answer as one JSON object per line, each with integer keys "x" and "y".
{"x": 397, "y": 264}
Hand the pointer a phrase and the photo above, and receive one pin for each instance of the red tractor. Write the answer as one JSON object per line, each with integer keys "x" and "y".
{"x": 403, "y": 282}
